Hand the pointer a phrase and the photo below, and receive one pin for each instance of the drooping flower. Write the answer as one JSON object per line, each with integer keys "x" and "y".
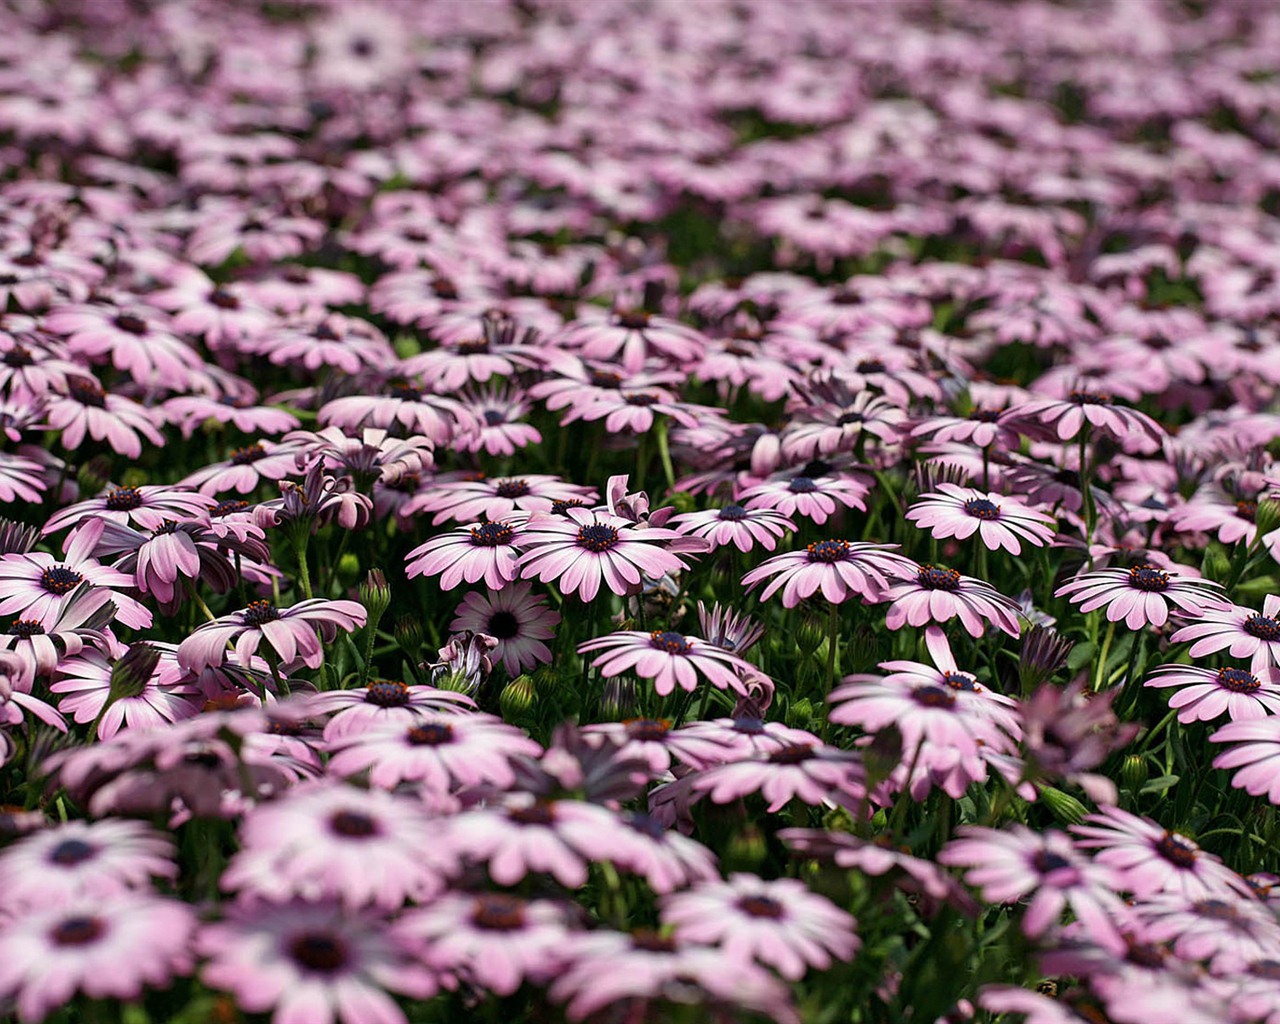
{"x": 999, "y": 521}
{"x": 1242, "y": 632}
{"x": 1095, "y": 409}
{"x": 1256, "y": 755}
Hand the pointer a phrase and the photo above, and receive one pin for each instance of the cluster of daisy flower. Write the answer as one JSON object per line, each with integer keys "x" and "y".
{"x": 601, "y": 510}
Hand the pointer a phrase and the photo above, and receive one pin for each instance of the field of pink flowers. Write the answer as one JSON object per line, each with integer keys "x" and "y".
{"x": 637, "y": 511}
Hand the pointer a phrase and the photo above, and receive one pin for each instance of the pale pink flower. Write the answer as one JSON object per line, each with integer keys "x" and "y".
{"x": 839, "y": 569}
{"x": 939, "y": 594}
{"x": 290, "y": 632}
{"x": 488, "y": 551}
{"x": 1207, "y": 693}
{"x": 999, "y": 521}
{"x": 668, "y": 658}
{"x": 1242, "y": 632}
{"x": 1140, "y": 595}
{"x": 516, "y": 618}
{"x": 733, "y": 524}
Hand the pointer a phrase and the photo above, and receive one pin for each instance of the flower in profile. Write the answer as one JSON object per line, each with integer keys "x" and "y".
{"x": 293, "y": 634}
{"x": 319, "y": 499}
{"x": 63, "y": 633}
{"x": 1140, "y": 595}
{"x": 463, "y": 663}
{"x": 877, "y": 857}
{"x": 516, "y": 618}
{"x": 86, "y": 410}
{"x": 668, "y": 658}
{"x": 1042, "y": 653}
{"x": 1067, "y": 731}
{"x": 1208, "y": 693}
{"x": 494, "y": 940}
{"x": 999, "y": 521}
{"x": 632, "y": 337}
{"x": 1149, "y": 858}
{"x": 839, "y": 569}
{"x": 146, "y": 507}
{"x": 653, "y": 741}
{"x": 664, "y": 858}
{"x": 780, "y": 924}
{"x": 1242, "y": 632}
{"x": 129, "y": 694}
{"x": 384, "y": 702}
{"x": 1256, "y": 755}
{"x": 329, "y": 841}
{"x": 730, "y": 630}
{"x": 107, "y": 946}
{"x": 1015, "y": 863}
{"x": 1067, "y": 417}
{"x": 939, "y": 594}
{"x": 443, "y": 752}
{"x": 734, "y": 524}
{"x": 1227, "y": 932}
{"x": 313, "y": 962}
{"x": 83, "y": 859}
{"x": 497, "y": 498}
{"x": 478, "y": 551}
{"x": 586, "y": 548}
{"x": 814, "y": 492}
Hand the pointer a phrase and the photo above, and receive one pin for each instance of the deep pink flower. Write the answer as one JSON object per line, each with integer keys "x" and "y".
{"x": 438, "y": 418}
{"x": 839, "y": 569}
{"x": 1242, "y": 632}
{"x": 313, "y": 962}
{"x": 668, "y": 658}
{"x": 516, "y": 618}
{"x": 327, "y": 841}
{"x": 999, "y": 521}
{"x": 1208, "y": 693}
{"x": 780, "y": 924}
{"x": 939, "y": 594}
{"x": 106, "y": 946}
{"x": 1140, "y": 595}
{"x": 136, "y": 339}
{"x": 290, "y": 632}
{"x": 586, "y": 548}
{"x": 488, "y": 551}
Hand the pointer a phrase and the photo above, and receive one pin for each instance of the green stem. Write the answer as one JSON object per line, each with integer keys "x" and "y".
{"x": 1132, "y": 691}
{"x": 664, "y": 453}
{"x": 304, "y": 574}
{"x": 1101, "y": 668}
{"x": 833, "y": 644}
{"x": 1086, "y": 495}
{"x": 1163, "y": 724}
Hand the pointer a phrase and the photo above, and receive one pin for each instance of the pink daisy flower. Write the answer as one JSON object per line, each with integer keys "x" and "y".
{"x": 1000, "y": 522}
{"x": 88, "y": 411}
{"x": 653, "y": 741}
{"x": 1228, "y": 932}
{"x": 586, "y": 548}
{"x": 108, "y": 946}
{"x": 1149, "y": 859}
{"x": 86, "y": 686}
{"x": 477, "y": 551}
{"x": 873, "y": 857}
{"x": 1015, "y": 863}
{"x": 1208, "y": 693}
{"x": 500, "y": 414}
{"x": 327, "y": 841}
{"x": 939, "y": 594}
{"x": 734, "y": 524}
{"x": 1140, "y": 595}
{"x": 1256, "y": 755}
{"x": 294, "y": 634}
{"x": 780, "y": 924}
{"x": 147, "y": 507}
{"x": 1067, "y": 417}
{"x": 517, "y": 618}
{"x": 492, "y": 940}
{"x": 83, "y": 859}
{"x": 632, "y": 337}
{"x": 839, "y": 569}
{"x": 246, "y": 468}
{"x": 663, "y": 857}
{"x": 383, "y": 703}
{"x": 499, "y": 497}
{"x": 443, "y": 752}
{"x": 668, "y": 658}
{"x": 814, "y": 495}
{"x": 1241, "y": 631}
{"x": 313, "y": 962}
{"x": 64, "y": 633}
{"x": 812, "y": 772}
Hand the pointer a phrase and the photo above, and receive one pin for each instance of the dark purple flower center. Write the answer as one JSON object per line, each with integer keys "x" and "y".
{"x": 1149, "y": 578}
{"x": 26, "y": 628}
{"x": 982, "y": 508}
{"x": 1045, "y": 861}
{"x": 223, "y": 299}
{"x": 476, "y": 347}
{"x": 1264, "y": 627}
{"x": 847, "y": 418}
{"x": 226, "y": 508}
{"x": 19, "y": 356}
{"x": 793, "y": 753}
{"x": 606, "y": 379}
{"x": 511, "y": 489}
{"x": 326, "y": 332}
{"x": 1237, "y": 680}
{"x": 495, "y": 912}
{"x": 633, "y": 320}
{"x": 1269, "y": 969}
{"x": 1178, "y": 850}
{"x": 1215, "y": 910}
{"x": 320, "y": 952}
{"x": 597, "y": 537}
{"x": 1090, "y": 398}
{"x": 561, "y": 505}
{"x": 1247, "y": 510}
{"x": 761, "y": 906}
{"x": 491, "y": 535}
{"x": 58, "y": 579}
{"x": 828, "y": 551}
{"x": 71, "y": 852}
{"x": 494, "y": 418}
{"x": 87, "y": 392}
{"x": 871, "y": 366}
{"x": 123, "y": 499}
{"x": 985, "y": 415}
{"x": 938, "y": 577}
{"x": 77, "y": 931}
{"x": 934, "y": 697}
{"x": 652, "y": 942}
{"x": 666, "y": 640}
{"x": 652, "y": 730}
{"x": 430, "y": 734}
{"x": 405, "y": 392}
{"x": 353, "y": 825}
{"x": 503, "y": 625}
{"x": 749, "y": 725}
{"x": 387, "y": 694}
{"x": 244, "y": 456}
{"x": 646, "y": 825}
{"x": 733, "y": 513}
{"x": 404, "y": 483}
{"x": 802, "y": 485}
{"x": 1157, "y": 343}
{"x": 643, "y": 399}
{"x": 961, "y": 681}
{"x": 131, "y": 324}
{"x": 259, "y": 612}
{"x": 540, "y": 812}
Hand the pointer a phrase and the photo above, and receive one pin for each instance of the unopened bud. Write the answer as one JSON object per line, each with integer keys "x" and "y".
{"x": 1215, "y": 565}
{"x": 1267, "y": 516}
{"x": 683, "y": 501}
{"x": 619, "y": 698}
{"x": 517, "y": 698}
{"x": 94, "y": 475}
{"x": 17, "y": 538}
{"x": 800, "y": 714}
{"x": 408, "y": 631}
{"x": 134, "y": 477}
{"x": 747, "y": 849}
{"x": 375, "y": 595}
{"x": 809, "y": 636}
{"x": 883, "y": 754}
{"x": 131, "y": 674}
{"x": 1135, "y": 772}
{"x": 348, "y": 569}
{"x": 1063, "y": 806}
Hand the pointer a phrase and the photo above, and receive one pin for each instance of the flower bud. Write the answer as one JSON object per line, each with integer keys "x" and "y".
{"x": 94, "y": 475}
{"x": 133, "y": 477}
{"x": 1215, "y": 565}
{"x": 800, "y": 714}
{"x": 1134, "y": 772}
{"x": 683, "y": 501}
{"x": 463, "y": 662}
{"x": 348, "y": 569}
{"x": 747, "y": 849}
{"x": 17, "y": 538}
{"x": 1267, "y": 516}
{"x": 618, "y": 700}
{"x": 375, "y": 595}
{"x": 809, "y": 635}
{"x": 408, "y": 632}
{"x": 517, "y": 698}
{"x": 1063, "y": 806}
{"x": 130, "y": 675}
{"x": 883, "y": 754}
